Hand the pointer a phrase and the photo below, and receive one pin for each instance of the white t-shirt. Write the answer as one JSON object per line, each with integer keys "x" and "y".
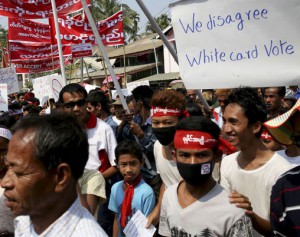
{"x": 6, "y": 218}
{"x": 211, "y": 215}
{"x": 254, "y": 184}
{"x": 166, "y": 168}
{"x": 100, "y": 137}
{"x": 293, "y": 160}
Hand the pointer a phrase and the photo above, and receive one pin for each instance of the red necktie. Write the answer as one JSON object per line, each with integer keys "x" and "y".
{"x": 126, "y": 205}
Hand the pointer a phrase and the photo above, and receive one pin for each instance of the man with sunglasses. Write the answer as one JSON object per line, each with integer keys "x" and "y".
{"x": 102, "y": 143}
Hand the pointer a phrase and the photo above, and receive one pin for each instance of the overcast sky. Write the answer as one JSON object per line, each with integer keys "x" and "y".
{"x": 156, "y": 7}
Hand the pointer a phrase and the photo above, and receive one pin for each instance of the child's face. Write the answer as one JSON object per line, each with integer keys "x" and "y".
{"x": 130, "y": 167}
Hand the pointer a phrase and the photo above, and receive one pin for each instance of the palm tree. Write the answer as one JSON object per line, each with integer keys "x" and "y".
{"x": 102, "y": 9}
{"x": 163, "y": 21}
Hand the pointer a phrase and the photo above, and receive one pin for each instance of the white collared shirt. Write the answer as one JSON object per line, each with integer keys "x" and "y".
{"x": 75, "y": 222}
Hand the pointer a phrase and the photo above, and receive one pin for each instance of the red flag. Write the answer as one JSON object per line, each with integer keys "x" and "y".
{"x": 28, "y": 9}
{"x": 35, "y": 66}
{"x": 20, "y": 30}
{"x": 78, "y": 31}
{"x": 19, "y": 51}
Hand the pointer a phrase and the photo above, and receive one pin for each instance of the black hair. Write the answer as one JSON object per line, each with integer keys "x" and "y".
{"x": 129, "y": 147}
{"x": 281, "y": 90}
{"x": 32, "y": 109}
{"x": 129, "y": 99}
{"x": 6, "y": 120}
{"x": 58, "y": 138}
{"x": 72, "y": 88}
{"x": 98, "y": 97}
{"x": 253, "y": 105}
{"x": 20, "y": 94}
{"x": 144, "y": 94}
{"x": 192, "y": 108}
{"x": 200, "y": 123}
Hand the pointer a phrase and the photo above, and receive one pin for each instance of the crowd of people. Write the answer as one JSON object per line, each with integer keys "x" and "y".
{"x": 83, "y": 166}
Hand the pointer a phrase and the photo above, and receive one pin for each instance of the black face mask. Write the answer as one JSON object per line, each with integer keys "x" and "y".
{"x": 296, "y": 140}
{"x": 195, "y": 174}
{"x": 165, "y": 135}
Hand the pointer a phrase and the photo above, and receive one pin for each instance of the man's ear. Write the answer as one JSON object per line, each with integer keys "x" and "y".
{"x": 173, "y": 153}
{"x": 63, "y": 177}
{"x": 257, "y": 127}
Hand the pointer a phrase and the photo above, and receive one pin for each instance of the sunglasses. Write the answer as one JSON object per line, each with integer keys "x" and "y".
{"x": 71, "y": 105}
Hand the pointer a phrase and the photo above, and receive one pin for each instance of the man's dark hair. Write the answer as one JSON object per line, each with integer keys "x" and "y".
{"x": 20, "y": 94}
{"x": 58, "y": 138}
{"x": 72, "y": 88}
{"x": 200, "y": 123}
{"x": 98, "y": 97}
{"x": 144, "y": 94}
{"x": 129, "y": 147}
{"x": 253, "y": 105}
{"x": 281, "y": 90}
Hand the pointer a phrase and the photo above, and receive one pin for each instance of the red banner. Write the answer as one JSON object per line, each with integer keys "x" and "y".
{"x": 77, "y": 31}
{"x": 35, "y": 66}
{"x": 19, "y": 51}
{"x": 20, "y": 30}
{"x": 36, "y": 9}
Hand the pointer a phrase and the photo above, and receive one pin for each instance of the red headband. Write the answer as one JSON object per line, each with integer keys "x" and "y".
{"x": 159, "y": 112}
{"x": 193, "y": 140}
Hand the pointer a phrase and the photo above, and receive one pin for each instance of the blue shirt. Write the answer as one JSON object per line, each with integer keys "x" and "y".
{"x": 143, "y": 200}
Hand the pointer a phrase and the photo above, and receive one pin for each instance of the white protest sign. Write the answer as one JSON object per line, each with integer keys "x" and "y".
{"x": 114, "y": 93}
{"x": 3, "y": 98}
{"x": 227, "y": 44}
{"x": 48, "y": 86}
{"x": 132, "y": 85}
{"x": 8, "y": 76}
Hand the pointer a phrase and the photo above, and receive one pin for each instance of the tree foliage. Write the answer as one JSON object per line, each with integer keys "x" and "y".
{"x": 163, "y": 21}
{"x": 102, "y": 9}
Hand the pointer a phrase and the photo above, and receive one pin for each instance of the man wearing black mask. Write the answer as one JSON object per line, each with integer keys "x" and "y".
{"x": 196, "y": 144}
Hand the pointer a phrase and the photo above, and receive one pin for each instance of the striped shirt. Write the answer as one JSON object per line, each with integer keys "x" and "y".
{"x": 75, "y": 222}
{"x": 285, "y": 204}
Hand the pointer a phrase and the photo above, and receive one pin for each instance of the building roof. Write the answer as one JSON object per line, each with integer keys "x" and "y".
{"x": 161, "y": 77}
{"x": 138, "y": 47}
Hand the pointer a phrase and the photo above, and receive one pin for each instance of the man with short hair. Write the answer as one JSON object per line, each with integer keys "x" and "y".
{"x": 197, "y": 205}
{"x": 273, "y": 97}
{"x": 249, "y": 173}
{"x": 101, "y": 150}
{"x": 46, "y": 157}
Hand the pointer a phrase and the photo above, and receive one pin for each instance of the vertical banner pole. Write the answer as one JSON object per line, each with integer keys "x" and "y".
{"x": 61, "y": 58}
{"x": 104, "y": 55}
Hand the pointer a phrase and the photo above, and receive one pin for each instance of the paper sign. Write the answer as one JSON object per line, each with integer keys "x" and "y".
{"x": 8, "y": 76}
{"x": 114, "y": 93}
{"x": 136, "y": 226}
{"x": 132, "y": 85}
{"x": 48, "y": 86}
{"x": 3, "y": 98}
{"x": 227, "y": 44}
{"x": 82, "y": 50}
{"x": 44, "y": 100}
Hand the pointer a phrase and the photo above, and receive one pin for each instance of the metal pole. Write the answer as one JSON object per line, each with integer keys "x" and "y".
{"x": 61, "y": 58}
{"x": 81, "y": 69}
{"x": 104, "y": 55}
{"x": 155, "y": 56}
{"x": 158, "y": 30}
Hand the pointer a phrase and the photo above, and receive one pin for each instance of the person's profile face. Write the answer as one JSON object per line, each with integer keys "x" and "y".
{"x": 75, "y": 104}
{"x": 129, "y": 166}
{"x": 28, "y": 186}
{"x": 235, "y": 126}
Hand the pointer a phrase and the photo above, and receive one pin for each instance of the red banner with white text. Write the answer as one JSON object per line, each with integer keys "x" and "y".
{"x": 19, "y": 51}
{"x": 35, "y": 66}
{"x": 78, "y": 31}
{"x": 37, "y": 9}
{"x": 21, "y": 30}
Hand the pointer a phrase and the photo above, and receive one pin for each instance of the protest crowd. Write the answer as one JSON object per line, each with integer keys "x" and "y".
{"x": 160, "y": 160}
{"x": 87, "y": 166}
